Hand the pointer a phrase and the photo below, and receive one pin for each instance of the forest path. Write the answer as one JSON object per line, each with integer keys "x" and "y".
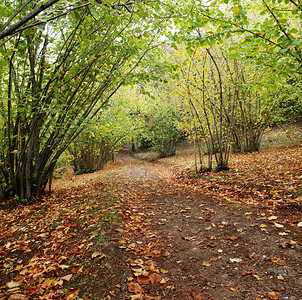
{"x": 178, "y": 243}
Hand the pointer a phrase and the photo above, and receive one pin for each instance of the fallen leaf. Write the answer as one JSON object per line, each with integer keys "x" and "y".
{"x": 72, "y": 294}
{"x": 278, "y": 225}
{"x": 273, "y": 295}
{"x": 98, "y": 254}
{"x": 13, "y": 284}
{"x": 163, "y": 271}
{"x": 235, "y": 260}
{"x": 48, "y": 283}
{"x": 262, "y": 225}
{"x": 197, "y": 296}
{"x": 155, "y": 278}
{"x": 257, "y": 277}
{"x": 134, "y": 287}
{"x": 67, "y": 277}
{"x": 136, "y": 297}
{"x": 253, "y": 255}
{"x": 206, "y": 264}
{"x": 272, "y": 218}
{"x": 143, "y": 280}
{"x": 234, "y": 289}
{"x": 278, "y": 261}
{"x": 279, "y": 289}
{"x": 17, "y": 297}
{"x": 299, "y": 224}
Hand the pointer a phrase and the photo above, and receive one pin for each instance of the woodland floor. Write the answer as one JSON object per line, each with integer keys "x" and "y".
{"x": 140, "y": 230}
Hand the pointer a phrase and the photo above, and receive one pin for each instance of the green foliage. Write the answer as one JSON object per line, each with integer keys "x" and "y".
{"x": 55, "y": 80}
{"x": 163, "y": 131}
{"x": 106, "y": 134}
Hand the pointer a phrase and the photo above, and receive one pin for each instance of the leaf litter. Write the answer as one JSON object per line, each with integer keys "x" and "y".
{"x": 163, "y": 235}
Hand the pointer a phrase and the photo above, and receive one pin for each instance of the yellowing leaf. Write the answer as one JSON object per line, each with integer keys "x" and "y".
{"x": 273, "y": 295}
{"x": 48, "y": 283}
{"x": 163, "y": 271}
{"x": 262, "y": 225}
{"x": 234, "y": 289}
{"x": 236, "y": 9}
{"x": 257, "y": 277}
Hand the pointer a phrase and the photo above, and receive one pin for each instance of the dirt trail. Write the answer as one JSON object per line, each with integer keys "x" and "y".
{"x": 177, "y": 243}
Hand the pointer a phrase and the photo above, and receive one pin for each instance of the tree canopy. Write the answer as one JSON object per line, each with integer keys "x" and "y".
{"x": 61, "y": 63}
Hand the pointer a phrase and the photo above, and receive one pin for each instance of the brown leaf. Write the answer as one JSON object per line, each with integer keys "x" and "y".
{"x": 155, "y": 278}
{"x": 67, "y": 277}
{"x": 72, "y": 294}
{"x": 156, "y": 253}
{"x": 206, "y": 264}
{"x": 136, "y": 297}
{"x": 134, "y": 287}
{"x": 197, "y": 296}
{"x": 143, "y": 280}
{"x": 48, "y": 283}
{"x": 278, "y": 261}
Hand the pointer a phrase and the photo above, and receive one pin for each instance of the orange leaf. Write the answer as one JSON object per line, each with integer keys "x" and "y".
{"x": 206, "y": 264}
{"x": 141, "y": 279}
{"x": 163, "y": 271}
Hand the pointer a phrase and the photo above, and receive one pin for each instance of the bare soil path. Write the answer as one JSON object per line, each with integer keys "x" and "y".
{"x": 178, "y": 243}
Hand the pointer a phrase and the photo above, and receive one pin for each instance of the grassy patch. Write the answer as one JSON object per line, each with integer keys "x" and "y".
{"x": 146, "y": 156}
